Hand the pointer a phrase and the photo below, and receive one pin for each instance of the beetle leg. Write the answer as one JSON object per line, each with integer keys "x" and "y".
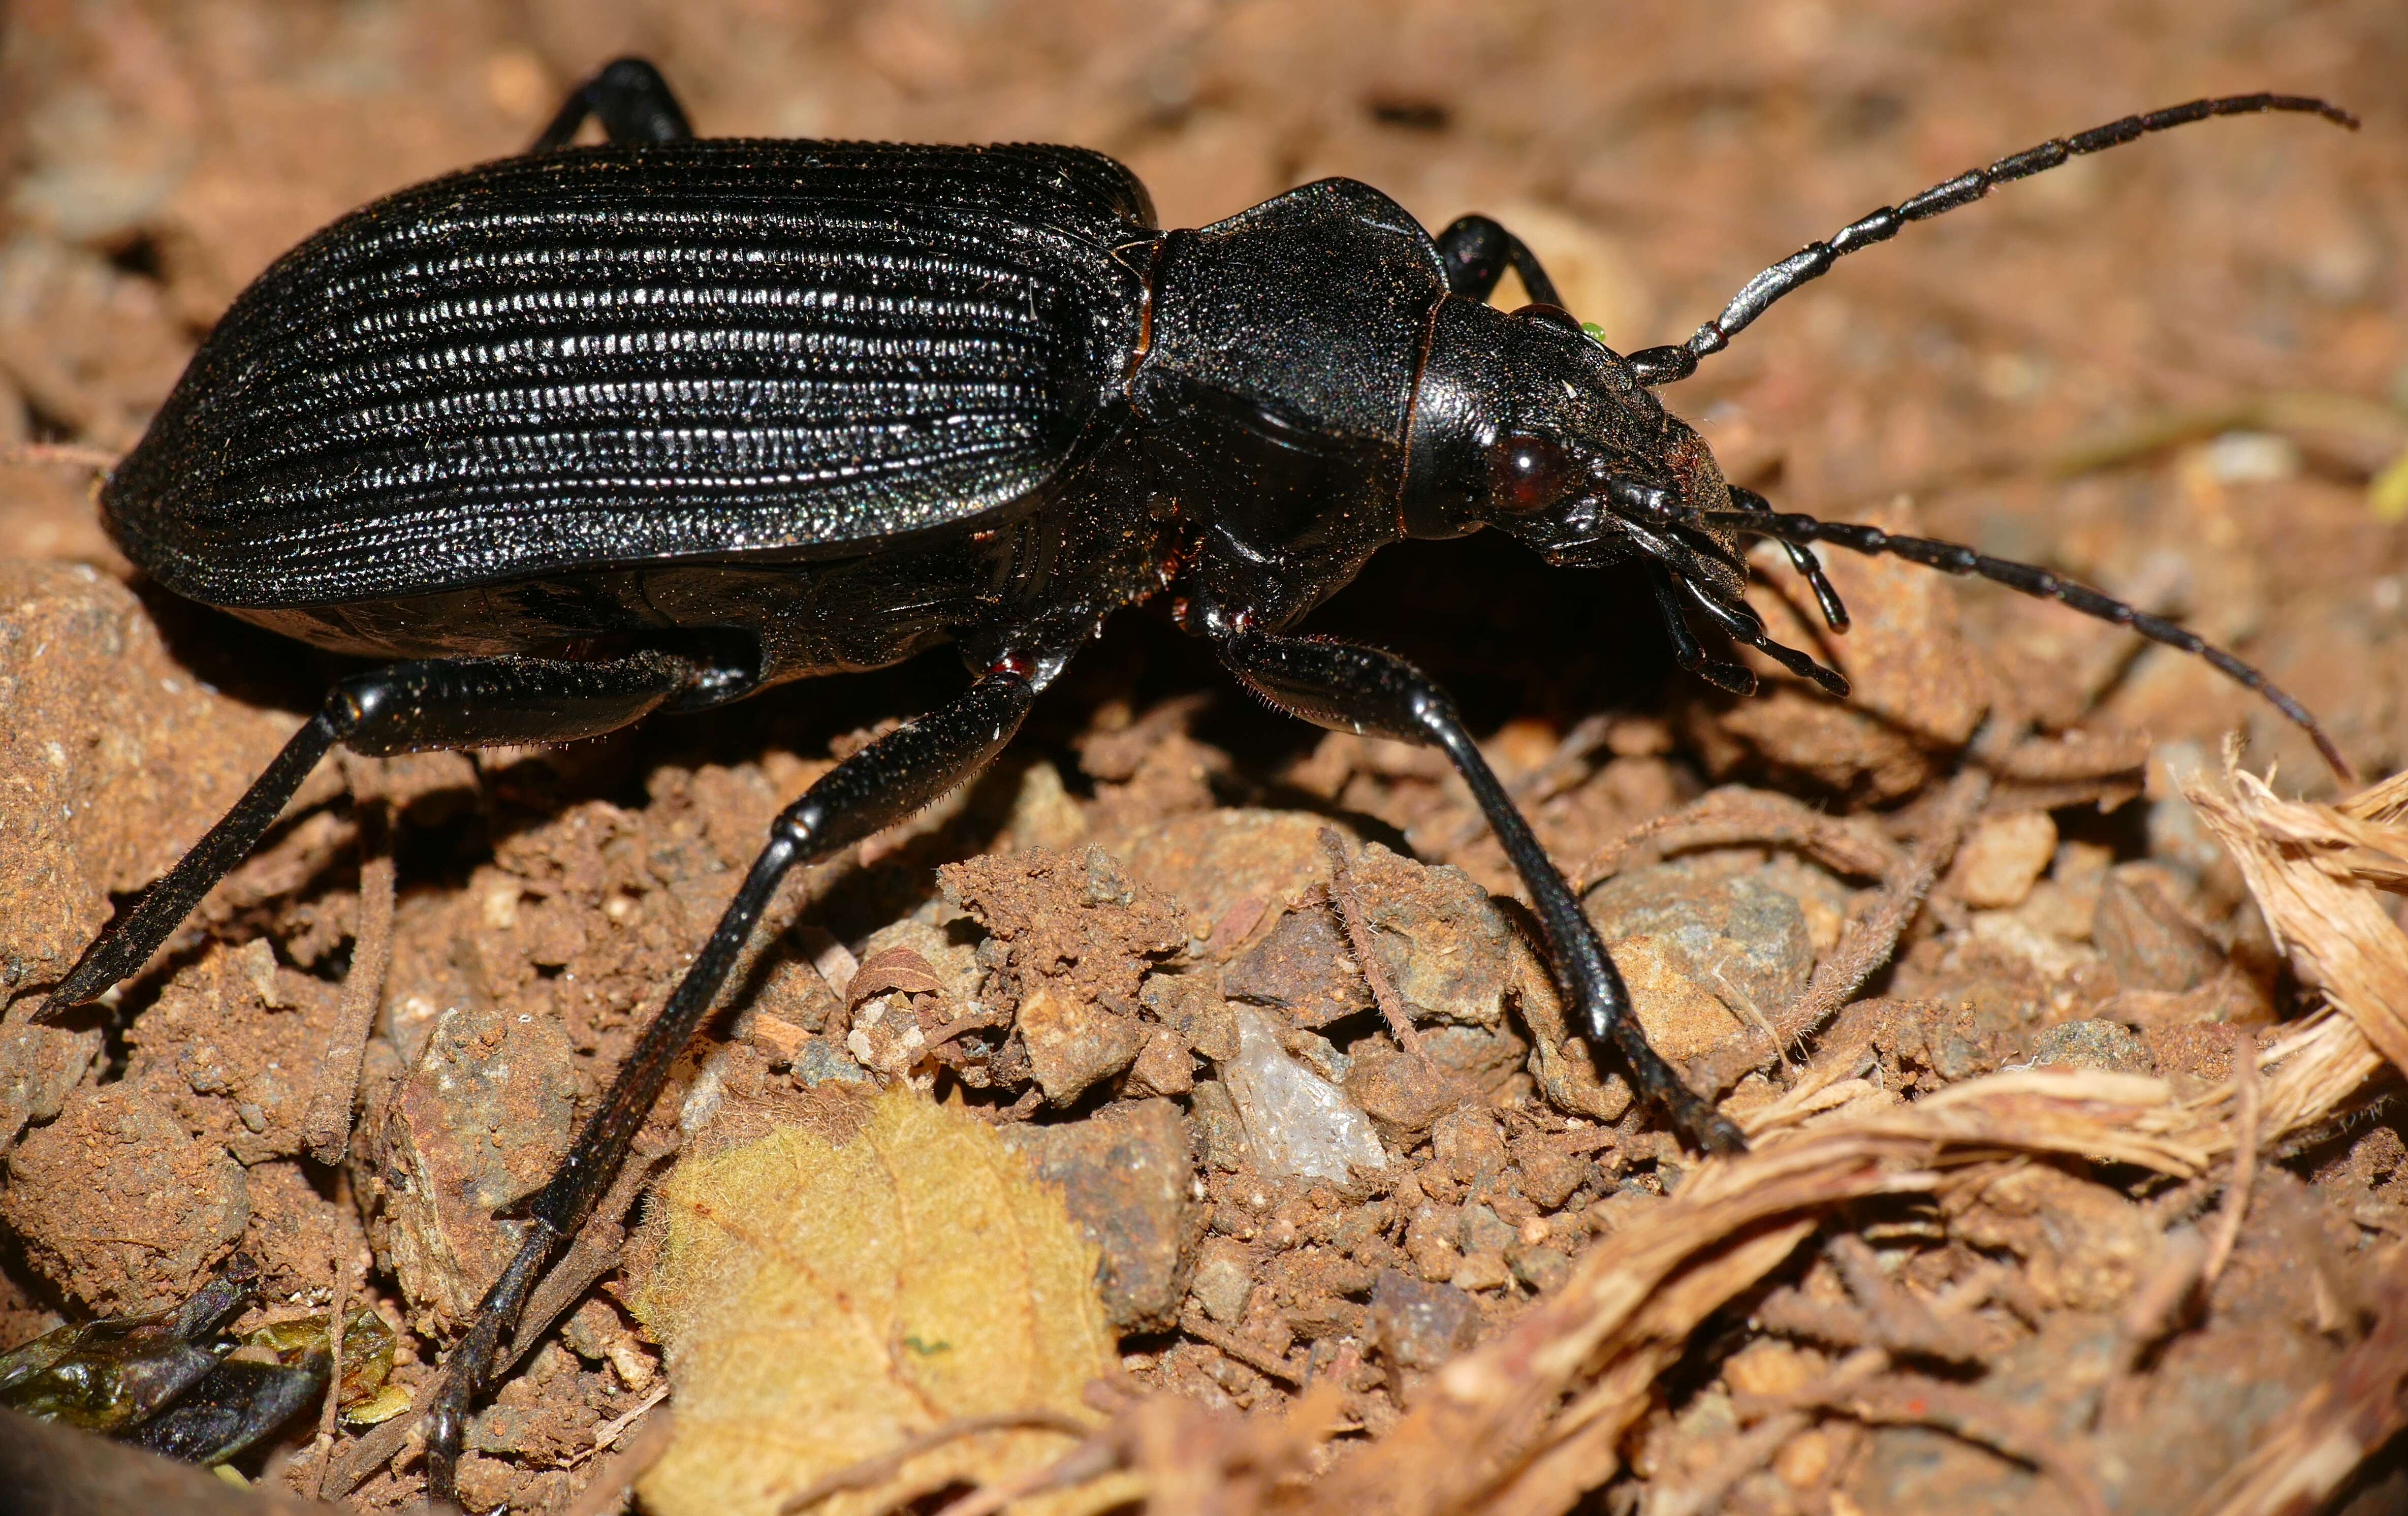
{"x": 1478, "y": 252}
{"x": 629, "y": 98}
{"x": 879, "y": 785}
{"x": 456, "y": 703}
{"x": 1349, "y": 688}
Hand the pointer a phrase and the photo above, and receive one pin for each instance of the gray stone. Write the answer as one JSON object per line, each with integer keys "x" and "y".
{"x": 480, "y": 1122}
{"x": 1737, "y": 937}
{"x": 2103, "y": 1045}
{"x": 2147, "y": 940}
{"x": 1126, "y": 1174}
{"x": 1445, "y": 947}
{"x": 1419, "y": 1327}
{"x": 1402, "y": 1093}
{"x": 1304, "y": 968}
{"x": 819, "y": 1060}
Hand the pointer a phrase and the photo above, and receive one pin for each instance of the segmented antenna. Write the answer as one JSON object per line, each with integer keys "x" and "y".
{"x": 1665, "y": 365}
{"x": 1956, "y": 558}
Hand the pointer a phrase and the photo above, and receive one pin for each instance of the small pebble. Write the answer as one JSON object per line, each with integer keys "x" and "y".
{"x": 1223, "y": 1278}
{"x": 1299, "y": 1124}
{"x": 2102, "y": 1045}
{"x": 1418, "y": 1325}
{"x": 2002, "y": 860}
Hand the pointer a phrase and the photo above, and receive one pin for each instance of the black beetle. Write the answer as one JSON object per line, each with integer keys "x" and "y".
{"x": 595, "y": 432}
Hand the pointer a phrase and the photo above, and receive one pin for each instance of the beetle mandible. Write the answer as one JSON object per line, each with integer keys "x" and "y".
{"x": 593, "y": 432}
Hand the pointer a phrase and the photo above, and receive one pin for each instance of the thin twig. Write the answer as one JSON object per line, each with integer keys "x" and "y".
{"x": 1913, "y": 1400}
{"x": 975, "y": 1021}
{"x": 1090, "y": 1459}
{"x": 609, "y": 1432}
{"x": 885, "y": 1466}
{"x": 326, "y": 1130}
{"x": 2245, "y": 1156}
{"x": 1260, "y": 1360}
{"x": 594, "y": 1253}
{"x": 2152, "y": 1309}
{"x": 1358, "y": 937}
{"x": 1734, "y": 817}
{"x": 1538, "y": 786}
{"x": 76, "y": 455}
{"x": 326, "y": 1413}
{"x": 1869, "y": 941}
{"x": 1862, "y": 953}
{"x": 621, "y": 1470}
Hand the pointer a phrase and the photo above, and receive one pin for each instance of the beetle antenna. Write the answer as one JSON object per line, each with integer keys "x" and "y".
{"x": 1745, "y": 626}
{"x": 1956, "y": 558}
{"x": 1665, "y": 365}
{"x": 72, "y": 454}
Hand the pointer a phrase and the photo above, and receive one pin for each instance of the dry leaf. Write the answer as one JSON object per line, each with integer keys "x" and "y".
{"x": 820, "y": 1305}
{"x": 2318, "y": 872}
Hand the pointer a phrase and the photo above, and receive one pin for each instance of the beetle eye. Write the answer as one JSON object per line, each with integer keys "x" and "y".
{"x": 1524, "y": 474}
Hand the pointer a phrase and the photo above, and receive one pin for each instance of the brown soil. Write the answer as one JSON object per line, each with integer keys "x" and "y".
{"x": 2175, "y": 371}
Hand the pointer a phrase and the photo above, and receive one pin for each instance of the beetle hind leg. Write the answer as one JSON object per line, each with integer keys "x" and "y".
{"x": 453, "y": 703}
{"x": 1478, "y": 251}
{"x": 629, "y": 98}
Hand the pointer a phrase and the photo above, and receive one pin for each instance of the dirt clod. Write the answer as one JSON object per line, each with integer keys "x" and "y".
{"x": 118, "y": 1207}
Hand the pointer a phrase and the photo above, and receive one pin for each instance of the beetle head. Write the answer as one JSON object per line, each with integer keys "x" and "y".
{"x": 1528, "y": 424}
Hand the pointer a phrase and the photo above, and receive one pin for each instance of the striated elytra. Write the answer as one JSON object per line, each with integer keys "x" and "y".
{"x": 597, "y": 431}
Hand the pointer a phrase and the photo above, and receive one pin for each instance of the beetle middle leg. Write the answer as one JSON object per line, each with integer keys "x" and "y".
{"x": 1349, "y": 688}
{"x": 882, "y": 784}
{"x": 629, "y": 98}
{"x": 402, "y": 707}
{"x": 1478, "y": 251}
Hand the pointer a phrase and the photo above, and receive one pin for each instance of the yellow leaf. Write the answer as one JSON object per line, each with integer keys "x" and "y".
{"x": 2387, "y": 491}
{"x": 821, "y": 1303}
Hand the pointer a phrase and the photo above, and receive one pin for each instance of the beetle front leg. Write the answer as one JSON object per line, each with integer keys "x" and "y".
{"x": 882, "y": 784}
{"x": 629, "y": 98}
{"x": 1349, "y": 688}
{"x": 1478, "y": 251}
{"x": 406, "y": 708}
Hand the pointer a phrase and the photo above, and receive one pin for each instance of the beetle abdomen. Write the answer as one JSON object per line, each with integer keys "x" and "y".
{"x": 616, "y": 355}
